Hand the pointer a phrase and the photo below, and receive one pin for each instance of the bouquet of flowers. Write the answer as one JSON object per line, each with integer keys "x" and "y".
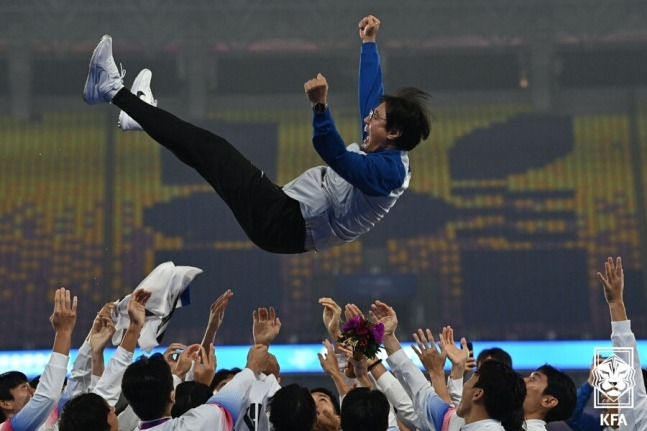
{"x": 362, "y": 336}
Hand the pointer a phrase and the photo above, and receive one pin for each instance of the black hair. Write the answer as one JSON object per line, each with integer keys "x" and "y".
{"x": 85, "y": 412}
{"x": 292, "y": 408}
{"x": 333, "y": 398}
{"x": 407, "y": 112}
{"x": 221, "y": 375}
{"x": 364, "y": 409}
{"x": 189, "y": 395}
{"x": 9, "y": 381}
{"x": 494, "y": 353}
{"x": 147, "y": 384}
{"x": 504, "y": 393}
{"x": 561, "y": 387}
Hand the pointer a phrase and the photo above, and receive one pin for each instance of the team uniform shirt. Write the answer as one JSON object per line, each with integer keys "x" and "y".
{"x": 345, "y": 199}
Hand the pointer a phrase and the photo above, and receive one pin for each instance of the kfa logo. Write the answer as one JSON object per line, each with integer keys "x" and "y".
{"x": 613, "y": 378}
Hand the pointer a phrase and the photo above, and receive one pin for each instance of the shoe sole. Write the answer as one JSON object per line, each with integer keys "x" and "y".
{"x": 90, "y": 91}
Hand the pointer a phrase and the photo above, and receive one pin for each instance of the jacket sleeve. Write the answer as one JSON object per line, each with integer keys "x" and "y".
{"x": 370, "y": 86}
{"x": 621, "y": 336}
{"x": 429, "y": 406}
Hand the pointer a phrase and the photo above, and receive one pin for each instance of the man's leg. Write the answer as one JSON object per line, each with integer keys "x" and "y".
{"x": 271, "y": 219}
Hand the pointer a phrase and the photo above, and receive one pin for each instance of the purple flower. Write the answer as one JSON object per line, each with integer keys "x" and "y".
{"x": 378, "y": 332}
{"x": 353, "y": 323}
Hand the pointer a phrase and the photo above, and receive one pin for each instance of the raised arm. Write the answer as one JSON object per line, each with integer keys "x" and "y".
{"x": 458, "y": 358}
{"x": 266, "y": 326}
{"x": 433, "y": 359}
{"x": 216, "y": 316}
{"x": 109, "y": 386}
{"x": 613, "y": 282}
{"x": 370, "y": 88}
{"x": 48, "y": 392}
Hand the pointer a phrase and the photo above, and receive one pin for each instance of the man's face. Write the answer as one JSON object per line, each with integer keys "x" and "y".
{"x": 21, "y": 396}
{"x": 466, "y": 403}
{"x": 536, "y": 384}
{"x": 375, "y": 127}
{"x": 112, "y": 420}
{"x": 327, "y": 417}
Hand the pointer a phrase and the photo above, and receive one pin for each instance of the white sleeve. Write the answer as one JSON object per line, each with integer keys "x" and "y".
{"x": 399, "y": 399}
{"x": 47, "y": 394}
{"x": 431, "y": 409}
{"x": 109, "y": 385}
{"x": 455, "y": 389}
{"x": 621, "y": 336}
{"x": 128, "y": 420}
{"x": 80, "y": 377}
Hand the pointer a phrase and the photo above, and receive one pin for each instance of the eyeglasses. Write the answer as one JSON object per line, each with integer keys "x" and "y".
{"x": 372, "y": 114}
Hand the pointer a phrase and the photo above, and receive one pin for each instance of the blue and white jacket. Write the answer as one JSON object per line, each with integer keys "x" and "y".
{"x": 345, "y": 199}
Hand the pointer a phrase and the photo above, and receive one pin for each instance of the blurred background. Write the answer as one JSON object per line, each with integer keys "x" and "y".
{"x": 534, "y": 172}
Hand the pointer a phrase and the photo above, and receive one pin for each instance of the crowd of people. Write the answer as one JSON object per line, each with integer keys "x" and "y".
{"x": 182, "y": 389}
{"x": 324, "y": 207}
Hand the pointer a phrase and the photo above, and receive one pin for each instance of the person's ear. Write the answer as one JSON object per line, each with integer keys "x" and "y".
{"x": 549, "y": 402}
{"x": 478, "y": 394}
{"x": 171, "y": 397}
{"x": 393, "y": 134}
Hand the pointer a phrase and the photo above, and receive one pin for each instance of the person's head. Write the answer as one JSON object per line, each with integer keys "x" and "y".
{"x": 400, "y": 121}
{"x": 364, "y": 409}
{"x": 494, "y": 391}
{"x": 494, "y": 354}
{"x": 15, "y": 393}
{"x": 326, "y": 401}
{"x": 222, "y": 377}
{"x": 88, "y": 412}
{"x": 292, "y": 408}
{"x": 148, "y": 386}
{"x": 189, "y": 395}
{"x": 551, "y": 395}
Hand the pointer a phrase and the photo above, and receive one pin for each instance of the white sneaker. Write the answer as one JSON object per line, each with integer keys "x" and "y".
{"x": 104, "y": 80}
{"x": 142, "y": 89}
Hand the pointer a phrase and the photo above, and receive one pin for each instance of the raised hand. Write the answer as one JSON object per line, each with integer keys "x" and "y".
{"x": 185, "y": 360}
{"x": 331, "y": 317}
{"x": 613, "y": 282}
{"x": 352, "y": 310}
{"x": 381, "y": 312}
{"x": 316, "y": 89}
{"x": 103, "y": 328}
{"x": 328, "y": 360}
{"x": 432, "y": 358}
{"x": 172, "y": 353}
{"x": 368, "y": 27}
{"x": 217, "y": 310}
{"x": 266, "y": 326}
{"x": 137, "y": 307}
{"x": 63, "y": 317}
{"x": 205, "y": 366}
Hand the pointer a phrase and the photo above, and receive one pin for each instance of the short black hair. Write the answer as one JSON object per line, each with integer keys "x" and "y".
{"x": 9, "y": 381}
{"x": 407, "y": 112}
{"x": 504, "y": 393}
{"x": 364, "y": 409}
{"x": 292, "y": 408}
{"x": 221, "y": 375}
{"x": 562, "y": 387}
{"x": 147, "y": 384}
{"x": 333, "y": 398}
{"x": 189, "y": 395}
{"x": 85, "y": 412}
{"x": 495, "y": 353}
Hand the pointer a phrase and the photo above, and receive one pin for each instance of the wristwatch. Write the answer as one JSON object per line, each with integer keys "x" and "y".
{"x": 319, "y": 107}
